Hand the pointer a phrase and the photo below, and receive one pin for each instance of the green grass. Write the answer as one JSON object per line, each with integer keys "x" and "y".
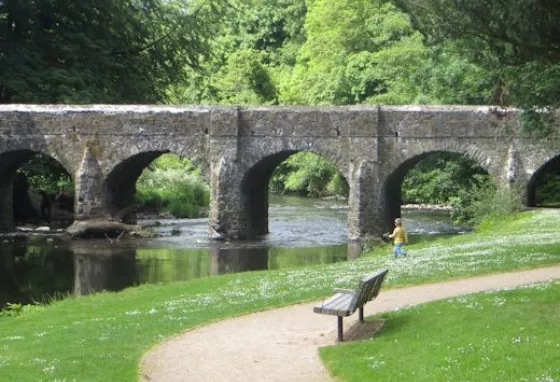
{"x": 511, "y": 335}
{"x": 101, "y": 337}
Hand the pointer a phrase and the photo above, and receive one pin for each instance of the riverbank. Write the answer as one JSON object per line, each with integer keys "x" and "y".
{"x": 70, "y": 339}
{"x": 427, "y": 207}
{"x": 148, "y": 222}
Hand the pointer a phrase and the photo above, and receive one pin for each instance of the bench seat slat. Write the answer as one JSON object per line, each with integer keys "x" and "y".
{"x": 337, "y": 305}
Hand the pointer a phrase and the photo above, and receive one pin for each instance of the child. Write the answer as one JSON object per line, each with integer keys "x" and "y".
{"x": 400, "y": 238}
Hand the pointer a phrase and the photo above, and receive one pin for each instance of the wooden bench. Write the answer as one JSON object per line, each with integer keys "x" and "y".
{"x": 345, "y": 302}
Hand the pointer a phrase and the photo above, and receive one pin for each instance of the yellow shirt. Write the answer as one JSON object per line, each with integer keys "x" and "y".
{"x": 399, "y": 235}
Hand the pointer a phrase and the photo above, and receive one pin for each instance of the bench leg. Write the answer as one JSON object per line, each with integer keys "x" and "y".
{"x": 340, "y": 329}
{"x": 361, "y": 314}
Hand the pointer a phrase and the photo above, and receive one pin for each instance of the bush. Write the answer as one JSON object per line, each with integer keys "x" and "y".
{"x": 337, "y": 185}
{"x": 44, "y": 173}
{"x": 11, "y": 310}
{"x": 441, "y": 177}
{"x": 172, "y": 184}
{"x": 309, "y": 174}
{"x": 484, "y": 202}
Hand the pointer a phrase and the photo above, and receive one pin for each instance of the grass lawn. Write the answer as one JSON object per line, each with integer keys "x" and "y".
{"x": 511, "y": 335}
{"x": 101, "y": 337}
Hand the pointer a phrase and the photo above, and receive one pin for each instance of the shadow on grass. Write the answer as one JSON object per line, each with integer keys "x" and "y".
{"x": 394, "y": 324}
{"x": 363, "y": 330}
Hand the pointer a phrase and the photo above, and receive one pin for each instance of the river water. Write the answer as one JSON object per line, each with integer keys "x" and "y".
{"x": 303, "y": 231}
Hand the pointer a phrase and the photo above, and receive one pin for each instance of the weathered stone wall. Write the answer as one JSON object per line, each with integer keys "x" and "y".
{"x": 105, "y": 148}
{"x": 492, "y": 138}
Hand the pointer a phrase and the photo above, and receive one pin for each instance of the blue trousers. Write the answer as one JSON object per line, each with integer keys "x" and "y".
{"x": 399, "y": 250}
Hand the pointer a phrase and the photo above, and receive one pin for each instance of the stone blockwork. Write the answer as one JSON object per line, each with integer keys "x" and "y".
{"x": 105, "y": 148}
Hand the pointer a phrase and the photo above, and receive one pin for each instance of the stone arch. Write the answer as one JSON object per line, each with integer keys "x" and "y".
{"x": 330, "y": 150}
{"x": 10, "y": 161}
{"x": 32, "y": 147}
{"x": 417, "y": 151}
{"x": 392, "y": 186}
{"x": 254, "y": 188}
{"x": 531, "y": 190}
{"x": 130, "y": 150}
{"x": 119, "y": 186}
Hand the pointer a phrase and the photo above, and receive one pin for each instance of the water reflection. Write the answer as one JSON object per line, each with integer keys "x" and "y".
{"x": 174, "y": 264}
{"x": 314, "y": 232}
{"x": 36, "y": 272}
{"x": 97, "y": 269}
{"x": 9, "y": 287}
{"x": 235, "y": 260}
{"x": 33, "y": 270}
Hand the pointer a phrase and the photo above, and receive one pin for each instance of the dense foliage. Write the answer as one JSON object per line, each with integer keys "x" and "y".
{"x": 43, "y": 173}
{"x": 330, "y": 52}
{"x": 173, "y": 185}
{"x": 287, "y": 51}
{"x": 308, "y": 174}
{"x": 447, "y": 178}
{"x": 516, "y": 41}
{"x": 100, "y": 51}
{"x": 440, "y": 177}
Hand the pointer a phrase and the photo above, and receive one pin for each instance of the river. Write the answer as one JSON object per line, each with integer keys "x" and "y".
{"x": 303, "y": 231}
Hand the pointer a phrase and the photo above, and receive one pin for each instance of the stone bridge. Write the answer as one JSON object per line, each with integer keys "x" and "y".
{"x": 105, "y": 148}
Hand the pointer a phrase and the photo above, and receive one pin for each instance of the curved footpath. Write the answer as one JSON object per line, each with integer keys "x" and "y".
{"x": 281, "y": 344}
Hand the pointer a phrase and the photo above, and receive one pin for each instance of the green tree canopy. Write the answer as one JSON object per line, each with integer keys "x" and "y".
{"x": 65, "y": 51}
{"x": 517, "y": 31}
{"x": 254, "y": 48}
{"x": 330, "y": 52}
{"x": 339, "y": 62}
{"x": 518, "y": 41}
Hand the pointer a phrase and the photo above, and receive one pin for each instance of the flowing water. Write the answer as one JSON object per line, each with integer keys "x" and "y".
{"x": 303, "y": 231}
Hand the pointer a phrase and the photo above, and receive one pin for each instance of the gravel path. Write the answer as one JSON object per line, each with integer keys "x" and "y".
{"x": 281, "y": 344}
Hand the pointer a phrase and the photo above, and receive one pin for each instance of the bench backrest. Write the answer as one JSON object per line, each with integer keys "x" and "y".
{"x": 368, "y": 289}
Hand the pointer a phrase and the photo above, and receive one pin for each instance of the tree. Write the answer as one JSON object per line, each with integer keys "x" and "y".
{"x": 338, "y": 62}
{"x": 364, "y": 51}
{"x": 517, "y": 31}
{"x": 64, "y": 51}
{"x": 255, "y": 46}
{"x": 244, "y": 79}
{"x": 309, "y": 174}
{"x": 517, "y": 40}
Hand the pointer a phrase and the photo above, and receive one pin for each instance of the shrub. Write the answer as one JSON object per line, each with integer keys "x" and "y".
{"x": 172, "y": 184}
{"x": 308, "y": 174}
{"x": 441, "y": 177}
{"x": 484, "y": 202}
